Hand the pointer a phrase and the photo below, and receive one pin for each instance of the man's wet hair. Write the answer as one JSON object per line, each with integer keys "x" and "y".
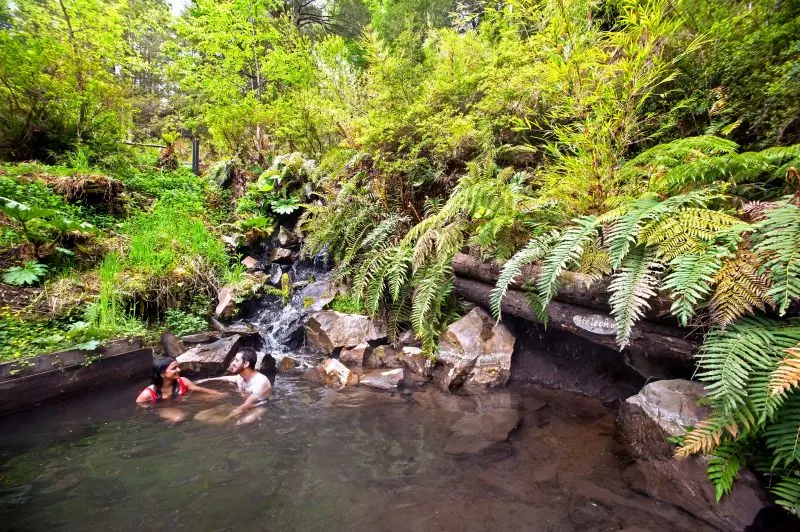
{"x": 248, "y": 355}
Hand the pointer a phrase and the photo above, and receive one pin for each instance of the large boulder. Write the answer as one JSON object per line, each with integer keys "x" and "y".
{"x": 329, "y": 330}
{"x": 476, "y": 352}
{"x": 317, "y": 295}
{"x": 226, "y": 302}
{"x": 332, "y": 374}
{"x": 210, "y": 358}
{"x": 355, "y": 356}
{"x": 171, "y": 346}
{"x": 383, "y": 356}
{"x": 663, "y": 409}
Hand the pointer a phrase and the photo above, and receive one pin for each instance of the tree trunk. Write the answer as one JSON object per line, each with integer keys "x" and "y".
{"x": 648, "y": 339}
{"x": 574, "y": 287}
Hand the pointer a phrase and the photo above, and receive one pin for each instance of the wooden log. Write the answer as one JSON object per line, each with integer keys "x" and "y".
{"x": 575, "y": 288}
{"x": 648, "y": 339}
{"x": 18, "y": 393}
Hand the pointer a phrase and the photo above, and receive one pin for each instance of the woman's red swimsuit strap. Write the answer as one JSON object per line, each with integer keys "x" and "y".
{"x": 154, "y": 395}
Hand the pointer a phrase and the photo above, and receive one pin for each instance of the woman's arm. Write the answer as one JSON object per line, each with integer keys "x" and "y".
{"x": 145, "y": 397}
{"x": 192, "y": 387}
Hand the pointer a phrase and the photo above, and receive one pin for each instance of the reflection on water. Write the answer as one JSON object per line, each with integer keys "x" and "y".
{"x": 322, "y": 460}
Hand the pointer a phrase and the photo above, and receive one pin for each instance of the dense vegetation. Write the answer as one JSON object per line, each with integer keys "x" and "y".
{"x": 651, "y": 141}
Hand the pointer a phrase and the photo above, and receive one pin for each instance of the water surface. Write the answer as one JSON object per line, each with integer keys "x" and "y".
{"x": 321, "y": 460}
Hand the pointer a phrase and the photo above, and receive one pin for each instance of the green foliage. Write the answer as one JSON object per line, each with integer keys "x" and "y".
{"x": 31, "y": 273}
{"x": 182, "y": 323}
{"x": 723, "y": 467}
{"x": 347, "y": 304}
{"x": 777, "y": 238}
{"x": 631, "y": 288}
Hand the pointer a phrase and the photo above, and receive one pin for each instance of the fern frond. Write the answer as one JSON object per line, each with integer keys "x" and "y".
{"x": 630, "y": 289}
{"x": 689, "y": 282}
{"x": 739, "y": 289}
{"x": 567, "y": 250}
{"x": 729, "y": 359}
{"x": 433, "y": 285}
{"x": 594, "y": 263}
{"x": 689, "y": 231}
{"x": 787, "y": 374}
{"x": 398, "y": 271}
{"x": 723, "y": 467}
{"x": 787, "y": 494}
{"x": 703, "y": 438}
{"x": 782, "y": 436}
{"x": 777, "y": 240}
{"x": 534, "y": 250}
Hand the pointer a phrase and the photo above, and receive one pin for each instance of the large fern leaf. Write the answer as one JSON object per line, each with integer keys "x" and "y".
{"x": 567, "y": 250}
{"x": 631, "y": 288}
{"x": 787, "y": 375}
{"x": 534, "y": 250}
{"x": 690, "y": 230}
{"x": 723, "y": 467}
{"x": 689, "y": 281}
{"x": 782, "y": 436}
{"x": 787, "y": 494}
{"x": 777, "y": 240}
{"x": 739, "y": 289}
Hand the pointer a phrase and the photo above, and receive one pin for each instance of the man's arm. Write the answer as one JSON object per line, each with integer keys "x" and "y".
{"x": 227, "y": 378}
{"x": 253, "y": 399}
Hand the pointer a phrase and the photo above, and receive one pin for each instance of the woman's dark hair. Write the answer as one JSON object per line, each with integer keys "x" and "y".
{"x": 160, "y": 365}
{"x": 248, "y": 355}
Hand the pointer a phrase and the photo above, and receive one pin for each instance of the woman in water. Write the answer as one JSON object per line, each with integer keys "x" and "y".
{"x": 167, "y": 383}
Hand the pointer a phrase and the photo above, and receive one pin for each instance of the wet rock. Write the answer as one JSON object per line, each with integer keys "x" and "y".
{"x": 646, "y": 420}
{"x": 234, "y": 241}
{"x": 382, "y": 379}
{"x": 474, "y": 351}
{"x": 287, "y": 363}
{"x": 416, "y": 361}
{"x": 328, "y": 330}
{"x": 383, "y": 356}
{"x": 202, "y": 337}
{"x": 474, "y": 432}
{"x": 250, "y": 263}
{"x": 411, "y": 381}
{"x": 171, "y": 346}
{"x": 332, "y": 374}
{"x": 286, "y": 238}
{"x": 280, "y": 255}
{"x": 266, "y": 364}
{"x": 318, "y": 295}
{"x": 241, "y": 329}
{"x": 355, "y": 356}
{"x": 209, "y": 358}
{"x": 275, "y": 274}
{"x": 225, "y": 303}
{"x": 408, "y": 338}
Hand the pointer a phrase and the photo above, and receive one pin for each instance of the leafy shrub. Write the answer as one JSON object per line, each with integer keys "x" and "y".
{"x": 182, "y": 323}
{"x": 347, "y": 304}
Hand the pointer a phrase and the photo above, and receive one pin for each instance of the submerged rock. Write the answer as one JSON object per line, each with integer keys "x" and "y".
{"x": 332, "y": 374}
{"x": 665, "y": 408}
{"x": 329, "y": 330}
{"x": 209, "y": 358}
{"x": 476, "y": 352}
{"x": 287, "y": 363}
{"x": 382, "y": 379}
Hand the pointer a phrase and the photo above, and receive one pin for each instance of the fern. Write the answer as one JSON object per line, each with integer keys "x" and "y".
{"x": 630, "y": 289}
{"x": 433, "y": 285}
{"x": 782, "y": 436}
{"x": 739, "y": 289}
{"x": 690, "y": 230}
{"x": 787, "y": 494}
{"x": 566, "y": 251}
{"x": 703, "y": 438}
{"x": 777, "y": 240}
{"x": 787, "y": 374}
{"x": 723, "y": 466}
{"x": 689, "y": 281}
{"x": 534, "y": 250}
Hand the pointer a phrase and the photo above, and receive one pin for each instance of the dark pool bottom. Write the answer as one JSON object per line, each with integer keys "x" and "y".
{"x": 322, "y": 460}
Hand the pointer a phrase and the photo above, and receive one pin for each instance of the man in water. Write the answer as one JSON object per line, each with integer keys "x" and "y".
{"x": 250, "y": 383}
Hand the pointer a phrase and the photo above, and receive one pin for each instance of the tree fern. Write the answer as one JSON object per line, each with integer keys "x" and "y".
{"x": 567, "y": 250}
{"x": 534, "y": 250}
{"x": 689, "y": 281}
{"x": 777, "y": 240}
{"x": 631, "y": 288}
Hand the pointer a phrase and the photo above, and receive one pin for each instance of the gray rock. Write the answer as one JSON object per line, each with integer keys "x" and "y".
{"x": 328, "y": 330}
{"x": 408, "y": 338}
{"x": 474, "y": 432}
{"x": 332, "y": 374}
{"x": 382, "y": 379}
{"x": 355, "y": 356}
{"x": 286, "y": 238}
{"x": 383, "y": 356}
{"x": 170, "y": 345}
{"x": 416, "y": 361}
{"x": 319, "y": 293}
{"x": 201, "y": 337}
{"x": 250, "y": 263}
{"x": 234, "y": 241}
{"x": 209, "y": 358}
{"x": 280, "y": 255}
{"x": 665, "y": 408}
{"x": 474, "y": 351}
{"x": 275, "y": 273}
{"x": 225, "y": 303}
